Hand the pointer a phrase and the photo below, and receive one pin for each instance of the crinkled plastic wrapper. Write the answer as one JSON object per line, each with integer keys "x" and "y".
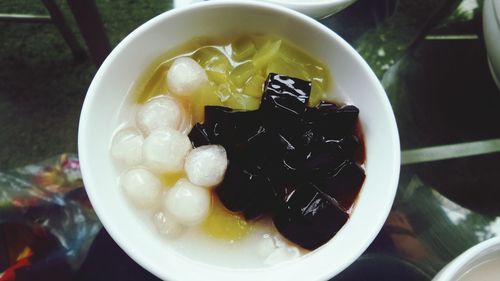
{"x": 46, "y": 221}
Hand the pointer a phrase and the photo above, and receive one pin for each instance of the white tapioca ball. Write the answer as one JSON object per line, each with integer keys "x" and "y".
{"x": 127, "y": 146}
{"x": 188, "y": 203}
{"x": 165, "y": 150}
{"x": 266, "y": 245}
{"x": 282, "y": 254}
{"x": 159, "y": 113}
{"x": 167, "y": 225}
{"x": 206, "y": 165}
{"x": 141, "y": 187}
{"x": 185, "y": 76}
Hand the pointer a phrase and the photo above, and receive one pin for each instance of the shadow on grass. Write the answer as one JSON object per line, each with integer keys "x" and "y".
{"x": 41, "y": 92}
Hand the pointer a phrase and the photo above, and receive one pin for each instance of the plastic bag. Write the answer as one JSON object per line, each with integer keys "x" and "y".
{"x": 46, "y": 221}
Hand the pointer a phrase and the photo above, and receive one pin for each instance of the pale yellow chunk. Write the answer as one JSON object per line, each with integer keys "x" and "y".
{"x": 223, "y": 224}
{"x": 266, "y": 53}
{"x": 242, "y": 102}
{"x": 243, "y": 49}
{"x": 242, "y": 73}
{"x": 215, "y": 63}
{"x": 207, "y": 96}
{"x": 255, "y": 86}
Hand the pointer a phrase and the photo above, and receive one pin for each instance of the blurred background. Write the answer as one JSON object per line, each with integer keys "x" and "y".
{"x": 42, "y": 85}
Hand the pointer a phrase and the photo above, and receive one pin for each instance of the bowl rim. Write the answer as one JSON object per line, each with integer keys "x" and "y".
{"x": 302, "y": 4}
{"x": 460, "y": 264}
{"x": 310, "y": 3}
{"x": 312, "y": 8}
{"x": 92, "y": 96}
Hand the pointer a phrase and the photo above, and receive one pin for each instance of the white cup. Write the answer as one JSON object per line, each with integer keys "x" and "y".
{"x": 481, "y": 263}
{"x": 491, "y": 29}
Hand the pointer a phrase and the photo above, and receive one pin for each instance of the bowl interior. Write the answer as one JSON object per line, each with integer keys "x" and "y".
{"x": 472, "y": 263}
{"x": 352, "y": 79}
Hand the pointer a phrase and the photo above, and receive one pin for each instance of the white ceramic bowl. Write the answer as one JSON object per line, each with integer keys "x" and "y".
{"x": 491, "y": 29}
{"x": 314, "y": 8}
{"x": 478, "y": 255}
{"x": 352, "y": 78}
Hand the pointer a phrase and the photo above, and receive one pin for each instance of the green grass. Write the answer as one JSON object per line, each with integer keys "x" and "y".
{"x": 42, "y": 88}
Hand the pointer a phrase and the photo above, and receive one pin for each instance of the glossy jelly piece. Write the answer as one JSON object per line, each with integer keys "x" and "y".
{"x": 300, "y": 143}
{"x": 199, "y": 135}
{"x": 310, "y": 136}
{"x": 284, "y": 96}
{"x": 233, "y": 190}
{"x": 333, "y": 121}
{"x": 296, "y": 131}
{"x": 246, "y": 190}
{"x": 263, "y": 200}
{"x": 286, "y": 160}
{"x": 270, "y": 151}
{"x": 289, "y": 160}
{"x": 296, "y": 139}
{"x": 349, "y": 144}
{"x": 329, "y": 155}
{"x": 266, "y": 193}
{"x": 309, "y": 218}
{"x": 256, "y": 149}
{"x": 228, "y": 126}
{"x": 343, "y": 183}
